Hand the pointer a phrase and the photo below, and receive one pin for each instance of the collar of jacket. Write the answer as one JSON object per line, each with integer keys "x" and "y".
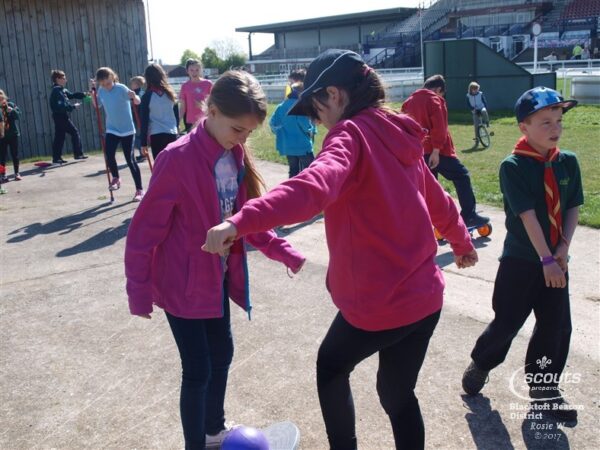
{"x": 211, "y": 149}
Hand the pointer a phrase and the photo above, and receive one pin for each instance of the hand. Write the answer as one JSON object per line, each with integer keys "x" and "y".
{"x": 145, "y": 316}
{"x": 145, "y": 151}
{"x": 468, "y": 260}
{"x": 131, "y": 95}
{"x": 554, "y": 276}
{"x": 561, "y": 255}
{"x": 8, "y": 109}
{"x": 434, "y": 158}
{"x": 92, "y": 84}
{"x": 220, "y": 238}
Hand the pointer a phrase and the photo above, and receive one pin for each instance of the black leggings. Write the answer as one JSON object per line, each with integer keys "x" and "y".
{"x": 11, "y": 142}
{"x": 401, "y": 354}
{"x": 159, "y": 141}
{"x": 112, "y": 142}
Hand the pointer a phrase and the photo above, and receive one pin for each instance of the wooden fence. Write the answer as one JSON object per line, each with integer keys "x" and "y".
{"x": 76, "y": 36}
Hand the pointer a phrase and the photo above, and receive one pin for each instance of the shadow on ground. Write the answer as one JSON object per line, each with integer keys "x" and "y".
{"x": 105, "y": 238}
{"x": 486, "y": 425}
{"x": 64, "y": 225}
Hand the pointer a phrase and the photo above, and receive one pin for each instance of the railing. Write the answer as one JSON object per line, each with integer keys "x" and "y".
{"x": 562, "y": 65}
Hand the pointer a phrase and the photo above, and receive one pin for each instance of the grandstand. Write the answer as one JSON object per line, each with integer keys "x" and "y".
{"x": 395, "y": 40}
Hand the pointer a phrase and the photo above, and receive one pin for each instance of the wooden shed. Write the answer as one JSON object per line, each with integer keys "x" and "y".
{"x": 76, "y": 36}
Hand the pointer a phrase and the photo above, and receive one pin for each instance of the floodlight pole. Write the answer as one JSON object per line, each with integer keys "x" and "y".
{"x": 421, "y": 30}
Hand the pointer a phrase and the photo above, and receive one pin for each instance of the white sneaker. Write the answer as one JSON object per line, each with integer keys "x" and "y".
{"x": 139, "y": 195}
{"x": 215, "y": 441}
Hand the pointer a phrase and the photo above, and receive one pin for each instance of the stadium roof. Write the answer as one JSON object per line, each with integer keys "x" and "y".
{"x": 382, "y": 15}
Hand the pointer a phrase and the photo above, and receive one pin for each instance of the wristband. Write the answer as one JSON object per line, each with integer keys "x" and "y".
{"x": 547, "y": 260}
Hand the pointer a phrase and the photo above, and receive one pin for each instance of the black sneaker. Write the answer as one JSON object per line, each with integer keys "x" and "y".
{"x": 81, "y": 157}
{"x": 552, "y": 403}
{"x": 474, "y": 379}
{"x": 475, "y": 220}
{"x": 140, "y": 158}
{"x": 58, "y": 161}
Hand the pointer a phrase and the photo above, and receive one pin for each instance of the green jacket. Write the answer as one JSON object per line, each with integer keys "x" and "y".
{"x": 11, "y": 119}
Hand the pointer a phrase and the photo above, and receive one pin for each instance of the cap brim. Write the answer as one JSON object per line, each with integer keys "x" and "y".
{"x": 568, "y": 104}
{"x": 298, "y": 109}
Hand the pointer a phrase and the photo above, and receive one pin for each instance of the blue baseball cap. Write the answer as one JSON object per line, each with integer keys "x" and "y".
{"x": 539, "y": 98}
{"x": 333, "y": 67}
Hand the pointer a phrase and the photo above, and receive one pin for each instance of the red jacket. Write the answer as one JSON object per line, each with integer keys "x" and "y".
{"x": 379, "y": 200}
{"x": 431, "y": 112}
{"x": 164, "y": 263}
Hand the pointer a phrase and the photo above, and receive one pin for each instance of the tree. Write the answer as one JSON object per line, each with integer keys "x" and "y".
{"x": 188, "y": 54}
{"x": 226, "y": 47}
{"x": 235, "y": 60}
{"x": 210, "y": 60}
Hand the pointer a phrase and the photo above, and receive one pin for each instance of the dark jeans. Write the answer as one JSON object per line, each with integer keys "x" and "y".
{"x": 518, "y": 290}
{"x": 401, "y": 354}
{"x": 11, "y": 142}
{"x": 453, "y": 170}
{"x": 159, "y": 141}
{"x": 206, "y": 350}
{"x": 299, "y": 163}
{"x": 112, "y": 142}
{"x": 63, "y": 126}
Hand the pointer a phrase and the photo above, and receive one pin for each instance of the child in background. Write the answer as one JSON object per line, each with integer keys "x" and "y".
{"x": 61, "y": 107}
{"x": 136, "y": 84}
{"x": 10, "y": 138}
{"x": 193, "y": 94}
{"x": 294, "y": 134}
{"x": 206, "y": 175}
{"x": 477, "y": 103}
{"x": 379, "y": 200}
{"x": 116, "y": 100}
{"x": 428, "y": 107}
{"x": 295, "y": 76}
{"x": 542, "y": 192}
{"x": 159, "y": 113}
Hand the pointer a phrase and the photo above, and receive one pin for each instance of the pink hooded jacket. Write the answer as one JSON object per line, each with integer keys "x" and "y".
{"x": 380, "y": 201}
{"x": 164, "y": 262}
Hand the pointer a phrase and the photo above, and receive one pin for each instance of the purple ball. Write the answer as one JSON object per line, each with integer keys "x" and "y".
{"x": 245, "y": 438}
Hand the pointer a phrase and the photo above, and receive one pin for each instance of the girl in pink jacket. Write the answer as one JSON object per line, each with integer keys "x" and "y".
{"x": 379, "y": 200}
{"x": 198, "y": 181}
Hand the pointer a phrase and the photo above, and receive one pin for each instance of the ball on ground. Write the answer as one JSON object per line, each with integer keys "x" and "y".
{"x": 245, "y": 438}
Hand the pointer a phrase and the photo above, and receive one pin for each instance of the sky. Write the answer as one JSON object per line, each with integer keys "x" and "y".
{"x": 195, "y": 24}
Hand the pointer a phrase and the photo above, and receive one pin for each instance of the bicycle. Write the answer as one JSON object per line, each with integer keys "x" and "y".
{"x": 482, "y": 134}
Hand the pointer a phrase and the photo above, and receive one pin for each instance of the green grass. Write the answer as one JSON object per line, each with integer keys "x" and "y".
{"x": 581, "y": 134}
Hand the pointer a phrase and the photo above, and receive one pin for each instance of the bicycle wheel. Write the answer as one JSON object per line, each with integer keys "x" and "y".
{"x": 484, "y": 136}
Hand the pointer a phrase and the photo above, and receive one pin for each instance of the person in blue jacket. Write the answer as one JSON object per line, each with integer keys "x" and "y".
{"x": 294, "y": 135}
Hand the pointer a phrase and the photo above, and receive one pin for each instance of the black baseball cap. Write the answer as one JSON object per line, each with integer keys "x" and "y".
{"x": 539, "y": 98}
{"x": 333, "y": 67}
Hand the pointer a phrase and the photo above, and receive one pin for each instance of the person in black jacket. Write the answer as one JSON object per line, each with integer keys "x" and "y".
{"x": 61, "y": 107}
{"x": 9, "y": 116}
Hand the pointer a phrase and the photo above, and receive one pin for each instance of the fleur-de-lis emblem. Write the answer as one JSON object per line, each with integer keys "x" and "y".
{"x": 544, "y": 362}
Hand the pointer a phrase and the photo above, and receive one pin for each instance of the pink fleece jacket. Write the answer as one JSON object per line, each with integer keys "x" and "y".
{"x": 164, "y": 262}
{"x": 379, "y": 200}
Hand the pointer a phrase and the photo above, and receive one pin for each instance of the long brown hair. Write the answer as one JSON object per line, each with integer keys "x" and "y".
{"x": 237, "y": 93}
{"x": 157, "y": 78}
{"x": 365, "y": 90}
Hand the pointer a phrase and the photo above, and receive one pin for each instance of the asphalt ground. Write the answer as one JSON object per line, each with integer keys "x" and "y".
{"x": 78, "y": 371}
